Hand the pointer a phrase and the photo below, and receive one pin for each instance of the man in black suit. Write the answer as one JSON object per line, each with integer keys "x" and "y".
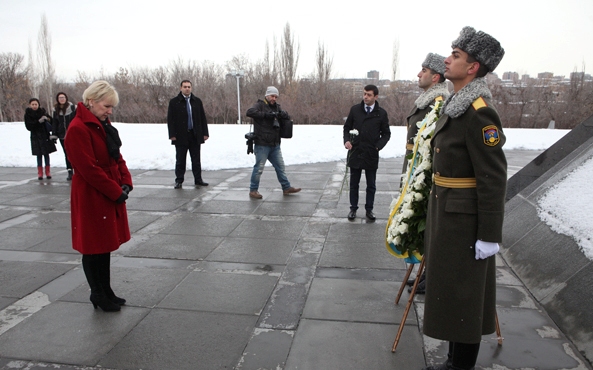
{"x": 188, "y": 129}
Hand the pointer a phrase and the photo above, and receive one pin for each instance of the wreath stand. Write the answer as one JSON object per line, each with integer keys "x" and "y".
{"x": 411, "y": 301}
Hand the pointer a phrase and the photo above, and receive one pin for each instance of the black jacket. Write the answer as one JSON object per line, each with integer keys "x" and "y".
{"x": 40, "y": 143}
{"x": 61, "y": 121}
{"x": 177, "y": 119}
{"x": 373, "y": 135}
{"x": 265, "y": 132}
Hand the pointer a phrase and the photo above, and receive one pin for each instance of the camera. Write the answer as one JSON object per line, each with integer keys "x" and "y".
{"x": 276, "y": 124}
{"x": 250, "y": 136}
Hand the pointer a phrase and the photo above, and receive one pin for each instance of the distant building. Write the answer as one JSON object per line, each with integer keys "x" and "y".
{"x": 543, "y": 75}
{"x": 373, "y": 75}
{"x": 511, "y": 76}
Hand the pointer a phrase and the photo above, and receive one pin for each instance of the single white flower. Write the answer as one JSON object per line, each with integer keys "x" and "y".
{"x": 354, "y": 132}
{"x": 402, "y": 228}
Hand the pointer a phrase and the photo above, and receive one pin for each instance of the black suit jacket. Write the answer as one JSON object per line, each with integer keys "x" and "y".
{"x": 177, "y": 119}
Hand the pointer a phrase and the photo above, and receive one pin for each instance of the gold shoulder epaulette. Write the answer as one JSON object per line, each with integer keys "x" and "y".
{"x": 479, "y": 103}
{"x": 438, "y": 98}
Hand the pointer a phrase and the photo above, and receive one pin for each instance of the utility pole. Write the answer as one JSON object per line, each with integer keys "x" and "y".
{"x": 238, "y": 75}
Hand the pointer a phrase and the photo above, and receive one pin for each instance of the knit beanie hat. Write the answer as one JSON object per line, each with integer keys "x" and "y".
{"x": 483, "y": 47}
{"x": 272, "y": 91}
{"x": 435, "y": 62}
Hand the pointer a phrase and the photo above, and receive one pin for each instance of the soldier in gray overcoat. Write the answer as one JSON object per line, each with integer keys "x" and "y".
{"x": 466, "y": 205}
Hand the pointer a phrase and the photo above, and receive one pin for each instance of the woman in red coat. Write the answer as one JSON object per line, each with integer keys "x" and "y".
{"x": 100, "y": 187}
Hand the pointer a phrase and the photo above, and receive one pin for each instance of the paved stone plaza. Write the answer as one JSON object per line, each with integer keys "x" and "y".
{"x": 216, "y": 280}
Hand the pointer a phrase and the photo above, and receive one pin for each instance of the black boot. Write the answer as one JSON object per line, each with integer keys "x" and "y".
{"x": 91, "y": 267}
{"x": 106, "y": 279}
{"x": 70, "y": 173}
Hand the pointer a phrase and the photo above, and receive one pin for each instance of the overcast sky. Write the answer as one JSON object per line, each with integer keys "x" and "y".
{"x": 538, "y": 36}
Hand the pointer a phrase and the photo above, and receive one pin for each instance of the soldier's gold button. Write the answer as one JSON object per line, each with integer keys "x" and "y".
{"x": 438, "y": 174}
{"x": 438, "y": 150}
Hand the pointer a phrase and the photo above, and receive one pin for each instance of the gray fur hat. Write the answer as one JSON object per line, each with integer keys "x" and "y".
{"x": 272, "y": 91}
{"x": 480, "y": 45}
{"x": 435, "y": 62}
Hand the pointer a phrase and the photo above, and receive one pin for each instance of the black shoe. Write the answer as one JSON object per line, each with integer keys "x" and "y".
{"x": 101, "y": 301}
{"x": 371, "y": 216}
{"x": 351, "y": 215}
{"x": 70, "y": 173}
{"x": 201, "y": 183}
{"x": 177, "y": 185}
{"x": 420, "y": 289}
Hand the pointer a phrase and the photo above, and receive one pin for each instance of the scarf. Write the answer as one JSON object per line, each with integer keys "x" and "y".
{"x": 431, "y": 94}
{"x": 457, "y": 103}
{"x": 112, "y": 140}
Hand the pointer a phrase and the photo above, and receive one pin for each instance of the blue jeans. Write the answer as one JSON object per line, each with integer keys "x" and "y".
{"x": 274, "y": 155}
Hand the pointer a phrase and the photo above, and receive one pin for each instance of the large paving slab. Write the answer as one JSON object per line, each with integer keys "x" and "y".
{"x": 217, "y": 280}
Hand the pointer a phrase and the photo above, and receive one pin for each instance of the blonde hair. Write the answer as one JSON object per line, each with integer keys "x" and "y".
{"x": 98, "y": 91}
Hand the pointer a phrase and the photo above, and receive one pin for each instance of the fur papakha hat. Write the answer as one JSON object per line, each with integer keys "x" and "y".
{"x": 272, "y": 91}
{"x": 435, "y": 62}
{"x": 480, "y": 45}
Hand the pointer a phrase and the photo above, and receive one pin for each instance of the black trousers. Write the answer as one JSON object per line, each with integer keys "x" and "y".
{"x": 194, "y": 154}
{"x": 371, "y": 177}
{"x": 68, "y": 165}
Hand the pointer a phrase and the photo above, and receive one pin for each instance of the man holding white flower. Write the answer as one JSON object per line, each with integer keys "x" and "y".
{"x": 366, "y": 132}
{"x": 466, "y": 205}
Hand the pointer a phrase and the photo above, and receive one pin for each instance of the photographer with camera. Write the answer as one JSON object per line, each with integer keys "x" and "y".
{"x": 267, "y": 117}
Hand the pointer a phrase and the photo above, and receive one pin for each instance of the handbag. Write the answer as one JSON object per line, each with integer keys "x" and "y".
{"x": 286, "y": 129}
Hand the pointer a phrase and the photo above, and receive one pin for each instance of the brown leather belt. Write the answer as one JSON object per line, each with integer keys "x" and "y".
{"x": 454, "y": 182}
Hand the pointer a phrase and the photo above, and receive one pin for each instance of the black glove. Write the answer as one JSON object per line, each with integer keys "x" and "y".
{"x": 284, "y": 115}
{"x": 122, "y": 198}
{"x": 270, "y": 115}
{"x": 126, "y": 188}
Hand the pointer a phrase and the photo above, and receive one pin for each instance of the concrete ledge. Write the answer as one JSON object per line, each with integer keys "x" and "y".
{"x": 551, "y": 265}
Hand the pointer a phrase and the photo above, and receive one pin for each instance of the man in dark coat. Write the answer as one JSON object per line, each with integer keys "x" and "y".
{"x": 366, "y": 132}
{"x": 466, "y": 204}
{"x": 188, "y": 129}
{"x": 431, "y": 79}
{"x": 267, "y": 117}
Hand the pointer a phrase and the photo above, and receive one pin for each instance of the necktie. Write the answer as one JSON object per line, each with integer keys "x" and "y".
{"x": 190, "y": 124}
{"x": 368, "y": 110}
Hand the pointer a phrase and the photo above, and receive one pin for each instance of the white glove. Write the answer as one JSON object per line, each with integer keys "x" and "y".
{"x": 42, "y": 119}
{"x": 53, "y": 137}
{"x": 485, "y": 249}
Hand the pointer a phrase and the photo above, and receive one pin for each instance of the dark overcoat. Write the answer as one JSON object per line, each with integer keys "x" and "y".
{"x": 99, "y": 224}
{"x": 416, "y": 115}
{"x": 177, "y": 119}
{"x": 373, "y": 134}
{"x": 460, "y": 290}
{"x": 61, "y": 120}
{"x": 40, "y": 142}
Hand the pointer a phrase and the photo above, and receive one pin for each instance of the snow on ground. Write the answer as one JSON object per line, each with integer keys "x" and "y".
{"x": 146, "y": 146}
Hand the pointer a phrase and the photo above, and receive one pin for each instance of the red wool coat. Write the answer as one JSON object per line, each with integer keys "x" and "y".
{"x": 99, "y": 224}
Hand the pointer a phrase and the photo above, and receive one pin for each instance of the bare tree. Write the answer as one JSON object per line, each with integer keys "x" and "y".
{"x": 394, "y": 59}
{"x": 13, "y": 86}
{"x": 289, "y": 56}
{"x": 45, "y": 61}
{"x": 323, "y": 64}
